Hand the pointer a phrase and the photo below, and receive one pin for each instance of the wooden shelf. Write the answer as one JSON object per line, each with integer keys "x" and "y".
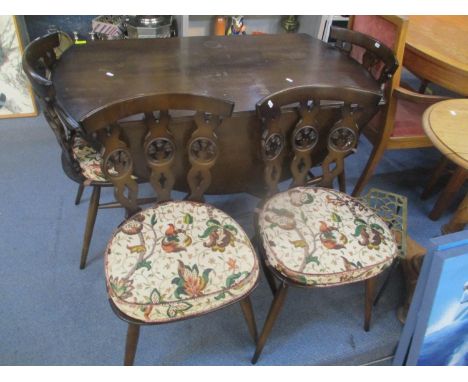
{"x": 202, "y": 25}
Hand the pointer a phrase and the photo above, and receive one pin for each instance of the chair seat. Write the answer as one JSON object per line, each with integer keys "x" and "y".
{"x": 177, "y": 260}
{"x": 88, "y": 159}
{"x": 321, "y": 237}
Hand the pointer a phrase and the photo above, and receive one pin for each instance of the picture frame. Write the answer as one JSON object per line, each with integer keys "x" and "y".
{"x": 436, "y": 329}
{"x": 16, "y": 96}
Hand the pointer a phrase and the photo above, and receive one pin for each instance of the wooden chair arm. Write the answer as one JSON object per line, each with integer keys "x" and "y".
{"x": 407, "y": 86}
{"x": 412, "y": 96}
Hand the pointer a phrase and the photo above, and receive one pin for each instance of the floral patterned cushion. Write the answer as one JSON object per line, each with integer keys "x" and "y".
{"x": 321, "y": 237}
{"x": 89, "y": 160}
{"x": 178, "y": 259}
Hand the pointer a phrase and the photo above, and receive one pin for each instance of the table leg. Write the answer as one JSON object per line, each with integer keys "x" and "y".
{"x": 459, "y": 219}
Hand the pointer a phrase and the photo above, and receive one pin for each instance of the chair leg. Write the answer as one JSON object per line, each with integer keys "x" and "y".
{"x": 369, "y": 287}
{"x": 437, "y": 172}
{"x": 270, "y": 320}
{"x": 446, "y": 197}
{"x": 342, "y": 181}
{"x": 269, "y": 276}
{"x": 133, "y": 333}
{"x": 249, "y": 316}
{"x": 374, "y": 159}
{"x": 392, "y": 269}
{"x": 91, "y": 219}
{"x": 79, "y": 193}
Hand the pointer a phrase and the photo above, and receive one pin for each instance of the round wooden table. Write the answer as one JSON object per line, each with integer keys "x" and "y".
{"x": 446, "y": 125}
{"x": 437, "y": 50}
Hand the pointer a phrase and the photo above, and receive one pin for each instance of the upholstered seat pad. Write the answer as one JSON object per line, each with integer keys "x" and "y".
{"x": 407, "y": 122}
{"x": 408, "y": 119}
{"x": 178, "y": 259}
{"x": 88, "y": 159}
{"x": 321, "y": 237}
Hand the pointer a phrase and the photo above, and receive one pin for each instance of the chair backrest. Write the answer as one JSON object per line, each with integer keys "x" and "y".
{"x": 39, "y": 57}
{"x": 149, "y": 155}
{"x": 371, "y": 40}
{"x": 324, "y": 128}
{"x": 390, "y": 30}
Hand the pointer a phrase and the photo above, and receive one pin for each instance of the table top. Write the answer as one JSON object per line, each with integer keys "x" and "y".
{"x": 242, "y": 69}
{"x": 441, "y": 41}
{"x": 446, "y": 124}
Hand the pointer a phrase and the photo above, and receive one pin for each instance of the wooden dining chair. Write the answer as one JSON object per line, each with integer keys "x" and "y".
{"x": 310, "y": 235}
{"x": 177, "y": 259}
{"x": 38, "y": 59}
{"x": 398, "y": 125}
{"x": 372, "y": 54}
{"x": 80, "y": 161}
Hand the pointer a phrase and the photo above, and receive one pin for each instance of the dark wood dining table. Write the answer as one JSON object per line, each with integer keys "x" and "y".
{"x": 243, "y": 69}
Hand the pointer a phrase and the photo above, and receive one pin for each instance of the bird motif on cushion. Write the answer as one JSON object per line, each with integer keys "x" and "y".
{"x": 330, "y": 237}
{"x": 175, "y": 240}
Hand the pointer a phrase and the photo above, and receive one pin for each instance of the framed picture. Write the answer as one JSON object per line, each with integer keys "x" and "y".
{"x": 16, "y": 97}
{"x": 436, "y": 330}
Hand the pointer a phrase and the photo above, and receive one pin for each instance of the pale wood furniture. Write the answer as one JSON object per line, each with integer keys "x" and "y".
{"x": 437, "y": 50}
{"x": 446, "y": 124}
{"x": 398, "y": 125}
{"x": 458, "y": 177}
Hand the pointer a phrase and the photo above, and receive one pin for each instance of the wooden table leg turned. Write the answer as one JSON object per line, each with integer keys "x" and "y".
{"x": 411, "y": 268}
{"x": 459, "y": 219}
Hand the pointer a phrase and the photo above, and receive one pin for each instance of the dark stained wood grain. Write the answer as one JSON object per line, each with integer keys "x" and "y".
{"x": 242, "y": 69}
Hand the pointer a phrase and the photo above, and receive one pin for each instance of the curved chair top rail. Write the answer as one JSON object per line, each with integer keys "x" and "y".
{"x": 121, "y": 109}
{"x": 270, "y": 106}
{"x": 152, "y": 153}
{"x": 370, "y": 44}
{"x": 38, "y": 59}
